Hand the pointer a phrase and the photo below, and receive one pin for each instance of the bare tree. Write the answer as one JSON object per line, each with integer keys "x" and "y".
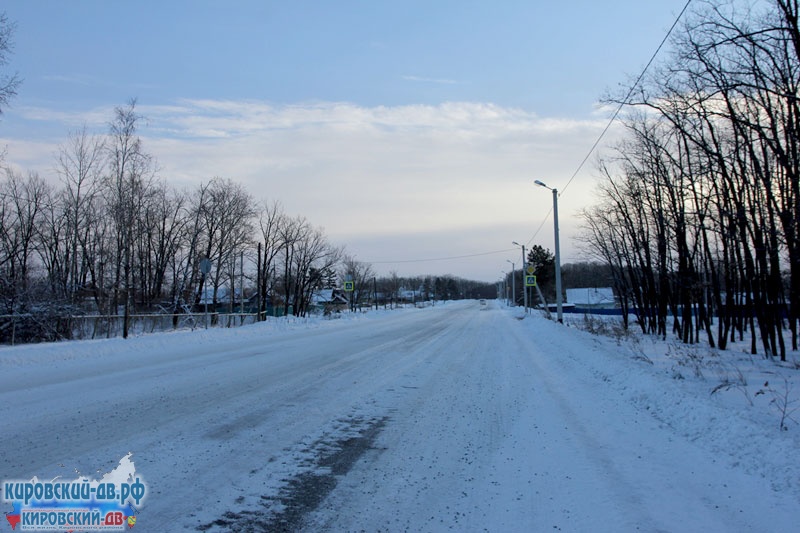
{"x": 79, "y": 164}
{"x": 270, "y": 222}
{"x": 8, "y": 82}
{"x": 314, "y": 258}
{"x": 360, "y": 274}
{"x": 705, "y": 201}
{"x": 131, "y": 171}
{"x": 28, "y": 198}
{"x": 291, "y": 232}
{"x": 163, "y": 224}
{"x": 225, "y": 222}
{"x": 23, "y": 205}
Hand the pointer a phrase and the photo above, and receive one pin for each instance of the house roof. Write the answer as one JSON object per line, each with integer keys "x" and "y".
{"x": 223, "y": 294}
{"x": 591, "y": 296}
{"x": 324, "y": 296}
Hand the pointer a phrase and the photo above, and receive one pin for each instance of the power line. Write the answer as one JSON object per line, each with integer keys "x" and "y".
{"x": 615, "y": 115}
{"x": 583, "y": 162}
{"x": 535, "y": 233}
{"x": 442, "y": 258}
{"x": 627, "y": 96}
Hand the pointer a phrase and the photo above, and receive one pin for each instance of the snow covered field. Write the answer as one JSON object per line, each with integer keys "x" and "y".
{"x": 461, "y": 417}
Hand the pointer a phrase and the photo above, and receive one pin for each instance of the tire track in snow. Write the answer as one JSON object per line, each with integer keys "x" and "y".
{"x": 324, "y": 462}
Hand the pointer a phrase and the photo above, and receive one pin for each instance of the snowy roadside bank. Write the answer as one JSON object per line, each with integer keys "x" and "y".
{"x": 147, "y": 343}
{"x": 715, "y": 398}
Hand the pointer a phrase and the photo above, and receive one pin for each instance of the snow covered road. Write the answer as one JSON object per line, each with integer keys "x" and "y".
{"x": 457, "y": 417}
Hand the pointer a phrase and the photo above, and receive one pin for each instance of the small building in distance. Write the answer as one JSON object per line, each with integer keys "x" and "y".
{"x": 592, "y": 298}
{"x": 328, "y": 301}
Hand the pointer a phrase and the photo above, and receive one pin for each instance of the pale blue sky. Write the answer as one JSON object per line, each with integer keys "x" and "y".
{"x": 447, "y": 108}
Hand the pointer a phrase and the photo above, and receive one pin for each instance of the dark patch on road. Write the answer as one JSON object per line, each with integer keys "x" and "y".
{"x": 333, "y": 459}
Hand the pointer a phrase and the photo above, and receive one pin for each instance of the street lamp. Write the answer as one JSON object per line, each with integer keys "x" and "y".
{"x": 513, "y": 283}
{"x": 558, "y": 252}
{"x": 524, "y": 285}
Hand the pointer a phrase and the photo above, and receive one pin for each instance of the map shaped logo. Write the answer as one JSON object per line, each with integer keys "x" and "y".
{"x": 110, "y": 503}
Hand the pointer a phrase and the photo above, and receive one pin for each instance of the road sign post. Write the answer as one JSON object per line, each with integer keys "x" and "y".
{"x": 528, "y": 296}
{"x": 350, "y": 286}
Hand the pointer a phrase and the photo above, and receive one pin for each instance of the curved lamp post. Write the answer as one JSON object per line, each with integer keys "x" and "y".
{"x": 558, "y": 251}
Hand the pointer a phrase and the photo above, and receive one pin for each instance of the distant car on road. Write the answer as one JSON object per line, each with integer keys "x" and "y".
{"x": 483, "y": 302}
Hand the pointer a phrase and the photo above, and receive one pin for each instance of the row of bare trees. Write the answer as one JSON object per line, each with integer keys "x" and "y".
{"x": 388, "y": 290}
{"x": 114, "y": 238}
{"x": 699, "y": 215}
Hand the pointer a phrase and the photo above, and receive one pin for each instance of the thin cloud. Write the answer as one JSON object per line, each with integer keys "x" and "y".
{"x": 362, "y": 172}
{"x": 372, "y": 159}
{"x": 214, "y": 119}
{"x": 439, "y": 81}
{"x": 76, "y": 79}
{"x": 98, "y": 116}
